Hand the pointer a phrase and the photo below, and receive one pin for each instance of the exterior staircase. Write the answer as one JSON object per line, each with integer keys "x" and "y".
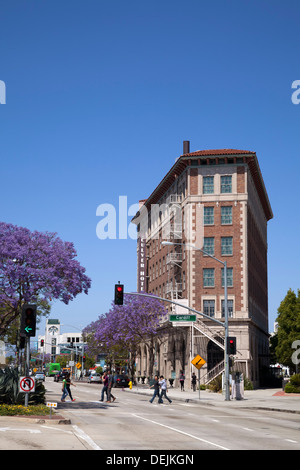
{"x": 219, "y": 341}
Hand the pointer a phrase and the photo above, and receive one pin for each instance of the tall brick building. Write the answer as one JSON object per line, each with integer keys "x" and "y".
{"x": 216, "y": 201}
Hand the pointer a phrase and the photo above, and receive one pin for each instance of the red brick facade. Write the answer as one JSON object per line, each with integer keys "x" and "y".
{"x": 222, "y": 205}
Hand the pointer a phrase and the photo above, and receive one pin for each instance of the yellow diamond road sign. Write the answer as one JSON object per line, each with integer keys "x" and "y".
{"x": 198, "y": 361}
{"x": 78, "y": 365}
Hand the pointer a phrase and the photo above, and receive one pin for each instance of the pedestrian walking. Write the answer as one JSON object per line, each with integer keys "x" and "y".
{"x": 163, "y": 388}
{"x": 105, "y": 386}
{"x": 181, "y": 380}
{"x": 156, "y": 390}
{"x": 66, "y": 388}
{"x": 194, "y": 381}
{"x": 109, "y": 387}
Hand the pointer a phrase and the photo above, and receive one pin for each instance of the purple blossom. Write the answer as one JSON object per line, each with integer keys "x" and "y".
{"x": 36, "y": 265}
{"x": 126, "y": 327}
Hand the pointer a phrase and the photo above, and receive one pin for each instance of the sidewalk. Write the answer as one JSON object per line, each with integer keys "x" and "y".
{"x": 263, "y": 399}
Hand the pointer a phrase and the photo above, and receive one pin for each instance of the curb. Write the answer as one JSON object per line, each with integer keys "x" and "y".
{"x": 220, "y": 404}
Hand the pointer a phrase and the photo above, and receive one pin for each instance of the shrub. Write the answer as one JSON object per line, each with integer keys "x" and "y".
{"x": 293, "y": 386}
{"x": 9, "y": 389}
{"x": 14, "y": 410}
{"x": 248, "y": 385}
{"x": 216, "y": 384}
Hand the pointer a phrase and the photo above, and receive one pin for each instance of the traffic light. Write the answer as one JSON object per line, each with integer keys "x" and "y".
{"x": 42, "y": 343}
{"x": 28, "y": 320}
{"x": 119, "y": 293}
{"x": 231, "y": 345}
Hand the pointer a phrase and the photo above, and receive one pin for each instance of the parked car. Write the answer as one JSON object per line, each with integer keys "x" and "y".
{"x": 60, "y": 376}
{"x": 121, "y": 380}
{"x": 40, "y": 376}
{"x": 95, "y": 378}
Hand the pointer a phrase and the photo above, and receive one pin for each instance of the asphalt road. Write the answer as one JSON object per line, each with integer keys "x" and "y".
{"x": 131, "y": 423}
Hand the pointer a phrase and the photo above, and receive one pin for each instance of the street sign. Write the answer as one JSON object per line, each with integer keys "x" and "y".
{"x": 51, "y": 404}
{"x": 182, "y": 318}
{"x": 198, "y": 362}
{"x": 26, "y": 384}
{"x": 78, "y": 365}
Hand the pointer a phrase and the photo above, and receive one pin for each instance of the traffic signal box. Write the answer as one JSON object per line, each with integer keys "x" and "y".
{"x": 119, "y": 294}
{"x": 231, "y": 345}
{"x": 28, "y": 320}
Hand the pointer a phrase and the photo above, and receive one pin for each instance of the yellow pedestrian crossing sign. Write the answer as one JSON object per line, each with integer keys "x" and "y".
{"x": 198, "y": 362}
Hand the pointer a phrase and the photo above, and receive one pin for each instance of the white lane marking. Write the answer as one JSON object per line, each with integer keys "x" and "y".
{"x": 80, "y": 433}
{"x": 32, "y": 431}
{"x": 290, "y": 440}
{"x": 182, "y": 432}
{"x": 55, "y": 429}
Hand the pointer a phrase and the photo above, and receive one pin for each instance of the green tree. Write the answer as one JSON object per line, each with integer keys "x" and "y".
{"x": 288, "y": 328}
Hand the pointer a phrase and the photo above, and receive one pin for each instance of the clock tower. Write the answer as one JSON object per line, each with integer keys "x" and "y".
{"x": 52, "y": 333}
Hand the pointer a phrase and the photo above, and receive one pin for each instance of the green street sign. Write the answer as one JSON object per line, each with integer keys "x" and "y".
{"x": 182, "y": 318}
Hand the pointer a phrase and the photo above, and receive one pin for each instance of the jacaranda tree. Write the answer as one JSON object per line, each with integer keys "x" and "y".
{"x": 126, "y": 327}
{"x": 36, "y": 265}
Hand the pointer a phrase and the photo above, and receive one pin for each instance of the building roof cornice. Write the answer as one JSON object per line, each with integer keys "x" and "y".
{"x": 214, "y": 156}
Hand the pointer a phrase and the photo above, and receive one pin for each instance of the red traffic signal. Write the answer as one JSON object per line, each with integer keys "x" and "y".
{"x": 231, "y": 345}
{"x": 119, "y": 294}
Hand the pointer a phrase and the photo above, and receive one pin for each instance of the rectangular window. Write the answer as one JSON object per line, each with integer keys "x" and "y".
{"x": 226, "y": 215}
{"x": 208, "y": 184}
{"x": 209, "y": 245}
{"x": 209, "y": 307}
{"x": 226, "y": 184}
{"x": 229, "y": 307}
{"x": 208, "y": 216}
{"x": 226, "y": 246}
{"x": 208, "y": 277}
{"x": 229, "y": 277}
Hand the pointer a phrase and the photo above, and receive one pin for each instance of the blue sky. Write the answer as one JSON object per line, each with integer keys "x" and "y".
{"x": 100, "y": 96}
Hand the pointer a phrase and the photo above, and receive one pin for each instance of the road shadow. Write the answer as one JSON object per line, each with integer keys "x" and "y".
{"x": 83, "y": 405}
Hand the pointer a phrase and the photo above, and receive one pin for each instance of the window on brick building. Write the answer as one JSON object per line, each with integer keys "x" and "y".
{"x": 208, "y": 184}
{"x": 208, "y": 216}
{"x": 229, "y": 277}
{"x": 226, "y": 246}
{"x": 209, "y": 245}
{"x": 229, "y": 306}
{"x": 208, "y": 277}
{"x": 226, "y": 215}
{"x": 226, "y": 184}
{"x": 209, "y": 307}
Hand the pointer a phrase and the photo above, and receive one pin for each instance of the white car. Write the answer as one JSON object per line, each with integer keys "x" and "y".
{"x": 40, "y": 376}
{"x": 95, "y": 378}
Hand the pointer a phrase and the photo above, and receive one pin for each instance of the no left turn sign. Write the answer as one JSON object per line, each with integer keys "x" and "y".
{"x": 27, "y": 384}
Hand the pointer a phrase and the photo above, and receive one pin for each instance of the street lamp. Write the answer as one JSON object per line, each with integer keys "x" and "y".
{"x": 226, "y": 356}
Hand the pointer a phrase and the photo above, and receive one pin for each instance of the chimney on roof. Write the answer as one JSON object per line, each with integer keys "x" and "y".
{"x": 186, "y": 146}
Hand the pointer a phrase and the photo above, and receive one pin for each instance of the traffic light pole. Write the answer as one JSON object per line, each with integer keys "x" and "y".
{"x": 227, "y": 384}
{"x": 27, "y": 342}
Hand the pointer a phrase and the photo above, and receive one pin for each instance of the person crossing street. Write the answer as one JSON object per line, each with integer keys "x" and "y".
{"x": 163, "y": 388}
